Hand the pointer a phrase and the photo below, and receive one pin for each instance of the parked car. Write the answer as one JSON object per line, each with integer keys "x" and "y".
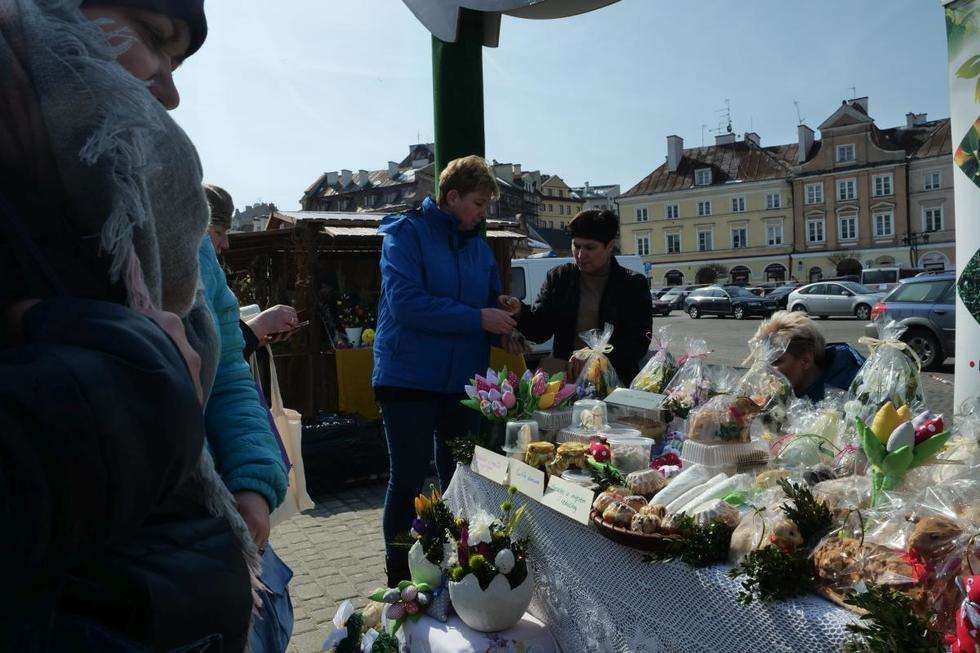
{"x": 758, "y": 291}
{"x": 657, "y": 293}
{"x": 724, "y": 300}
{"x": 926, "y": 307}
{"x": 675, "y": 297}
{"x": 826, "y": 298}
{"x": 778, "y": 298}
{"x": 661, "y": 307}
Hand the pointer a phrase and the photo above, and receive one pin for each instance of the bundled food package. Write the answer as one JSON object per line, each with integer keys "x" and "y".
{"x": 691, "y": 385}
{"x": 765, "y": 384}
{"x": 659, "y": 369}
{"x": 765, "y": 526}
{"x": 890, "y": 374}
{"x": 598, "y": 377}
{"x": 812, "y": 434}
{"x": 844, "y": 495}
{"x": 723, "y": 420}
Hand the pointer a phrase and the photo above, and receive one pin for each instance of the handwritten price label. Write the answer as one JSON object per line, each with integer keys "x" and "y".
{"x": 569, "y": 499}
{"x": 528, "y": 480}
{"x": 490, "y": 465}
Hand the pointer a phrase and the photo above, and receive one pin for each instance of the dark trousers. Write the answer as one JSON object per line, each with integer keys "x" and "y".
{"x": 417, "y": 431}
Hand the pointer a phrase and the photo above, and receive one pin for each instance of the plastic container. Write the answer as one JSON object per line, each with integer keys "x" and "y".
{"x": 734, "y": 458}
{"x": 630, "y": 453}
{"x": 553, "y": 420}
{"x": 520, "y": 433}
{"x": 579, "y": 477}
{"x": 589, "y": 415}
{"x": 572, "y": 434}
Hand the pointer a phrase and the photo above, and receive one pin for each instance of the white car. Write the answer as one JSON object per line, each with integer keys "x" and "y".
{"x": 826, "y": 298}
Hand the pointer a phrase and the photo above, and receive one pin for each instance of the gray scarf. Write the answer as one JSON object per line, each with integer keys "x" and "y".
{"x": 76, "y": 120}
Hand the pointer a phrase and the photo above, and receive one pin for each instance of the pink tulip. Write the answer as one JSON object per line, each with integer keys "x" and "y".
{"x": 481, "y": 383}
{"x": 527, "y": 375}
{"x": 494, "y": 395}
{"x": 506, "y": 387}
{"x": 482, "y": 395}
{"x": 566, "y": 391}
{"x": 508, "y": 400}
{"x": 492, "y": 376}
{"x": 512, "y": 379}
{"x": 498, "y": 409}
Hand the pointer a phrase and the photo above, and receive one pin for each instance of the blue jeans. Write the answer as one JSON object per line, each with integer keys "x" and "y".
{"x": 273, "y": 625}
{"x": 416, "y": 431}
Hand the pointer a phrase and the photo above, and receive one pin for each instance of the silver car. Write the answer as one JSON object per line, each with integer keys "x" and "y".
{"x": 826, "y": 298}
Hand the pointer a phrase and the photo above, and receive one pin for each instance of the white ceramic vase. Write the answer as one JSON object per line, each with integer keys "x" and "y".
{"x": 421, "y": 569}
{"x": 354, "y": 335}
{"x": 497, "y": 608}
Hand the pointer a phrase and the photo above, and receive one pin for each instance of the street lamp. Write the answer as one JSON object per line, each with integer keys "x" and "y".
{"x": 913, "y": 239}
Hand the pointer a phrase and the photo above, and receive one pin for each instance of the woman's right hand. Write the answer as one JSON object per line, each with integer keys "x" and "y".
{"x": 174, "y": 327}
{"x": 510, "y": 304}
{"x": 496, "y": 321}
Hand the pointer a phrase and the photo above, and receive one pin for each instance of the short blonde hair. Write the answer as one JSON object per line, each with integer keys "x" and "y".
{"x": 794, "y": 330}
{"x": 467, "y": 175}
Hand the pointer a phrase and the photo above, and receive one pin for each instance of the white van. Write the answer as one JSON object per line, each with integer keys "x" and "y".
{"x": 883, "y": 279}
{"x": 527, "y": 276}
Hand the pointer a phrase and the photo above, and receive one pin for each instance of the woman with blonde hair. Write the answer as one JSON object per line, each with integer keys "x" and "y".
{"x": 810, "y": 364}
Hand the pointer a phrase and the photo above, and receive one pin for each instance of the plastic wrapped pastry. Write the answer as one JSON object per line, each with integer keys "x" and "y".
{"x": 723, "y": 419}
{"x": 716, "y": 510}
{"x": 598, "y": 377}
{"x": 661, "y": 367}
{"x": 646, "y": 482}
{"x": 604, "y": 499}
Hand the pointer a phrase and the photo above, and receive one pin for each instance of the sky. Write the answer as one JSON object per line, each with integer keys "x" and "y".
{"x": 284, "y": 91}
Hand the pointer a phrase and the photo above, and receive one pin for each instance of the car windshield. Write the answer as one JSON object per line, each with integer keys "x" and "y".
{"x": 671, "y": 293}
{"x": 739, "y": 292}
{"x": 857, "y": 288}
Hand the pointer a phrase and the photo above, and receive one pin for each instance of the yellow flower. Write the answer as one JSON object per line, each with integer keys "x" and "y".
{"x": 553, "y": 387}
{"x": 546, "y": 401}
{"x": 887, "y": 419}
{"x": 904, "y": 414}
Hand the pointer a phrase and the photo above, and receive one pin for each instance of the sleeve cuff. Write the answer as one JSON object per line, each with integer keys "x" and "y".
{"x": 269, "y": 493}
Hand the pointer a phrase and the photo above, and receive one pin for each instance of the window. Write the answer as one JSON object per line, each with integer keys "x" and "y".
{"x": 704, "y": 207}
{"x": 816, "y": 274}
{"x": 740, "y": 237}
{"x": 882, "y": 185}
{"x": 845, "y": 153}
{"x": 814, "y": 193}
{"x": 641, "y": 215}
{"x": 846, "y": 189}
{"x": 774, "y": 234}
{"x": 773, "y": 200}
{"x": 673, "y": 243}
{"x": 847, "y": 227}
{"x": 673, "y": 212}
{"x": 705, "y": 241}
{"x": 884, "y": 224}
{"x": 920, "y": 293}
{"x": 518, "y": 284}
{"x": 738, "y": 204}
{"x": 932, "y": 219}
{"x": 643, "y": 245}
{"x": 814, "y": 230}
{"x": 933, "y": 180}
{"x": 550, "y": 209}
{"x": 702, "y": 177}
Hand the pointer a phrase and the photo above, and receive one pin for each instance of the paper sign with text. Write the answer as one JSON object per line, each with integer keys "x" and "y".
{"x": 490, "y": 465}
{"x": 569, "y": 499}
{"x": 528, "y": 480}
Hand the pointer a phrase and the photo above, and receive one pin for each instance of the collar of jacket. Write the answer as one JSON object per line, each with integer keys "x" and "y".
{"x": 430, "y": 211}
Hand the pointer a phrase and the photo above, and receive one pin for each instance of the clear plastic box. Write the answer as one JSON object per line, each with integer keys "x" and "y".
{"x": 550, "y": 422}
{"x": 579, "y": 477}
{"x": 630, "y": 453}
{"x": 573, "y": 434}
{"x": 589, "y": 414}
{"x": 734, "y": 458}
{"x": 520, "y": 433}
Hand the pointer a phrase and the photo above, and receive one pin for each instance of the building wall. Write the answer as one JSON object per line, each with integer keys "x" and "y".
{"x": 557, "y": 207}
{"x": 921, "y": 199}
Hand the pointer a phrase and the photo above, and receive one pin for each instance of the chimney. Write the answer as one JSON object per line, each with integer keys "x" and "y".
{"x": 331, "y": 179}
{"x": 753, "y": 137}
{"x": 586, "y": 189}
{"x": 363, "y": 178}
{"x": 861, "y": 102}
{"x": 914, "y": 119}
{"x": 392, "y": 169}
{"x": 675, "y": 150}
{"x": 725, "y": 139}
{"x": 345, "y": 177}
{"x": 805, "y": 135}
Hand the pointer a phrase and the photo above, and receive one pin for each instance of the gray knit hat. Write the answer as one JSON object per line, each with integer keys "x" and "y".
{"x": 222, "y": 205}
{"x": 191, "y": 11}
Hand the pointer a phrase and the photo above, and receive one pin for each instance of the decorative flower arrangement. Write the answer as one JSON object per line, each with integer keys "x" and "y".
{"x": 435, "y": 528}
{"x": 486, "y": 547}
{"x": 502, "y": 396}
{"x": 351, "y": 313}
{"x": 685, "y": 396}
{"x": 895, "y": 443}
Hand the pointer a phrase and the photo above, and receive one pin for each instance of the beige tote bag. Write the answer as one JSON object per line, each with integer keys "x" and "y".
{"x": 289, "y": 424}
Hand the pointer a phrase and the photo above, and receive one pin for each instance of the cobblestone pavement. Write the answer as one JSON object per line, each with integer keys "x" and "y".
{"x": 337, "y": 552}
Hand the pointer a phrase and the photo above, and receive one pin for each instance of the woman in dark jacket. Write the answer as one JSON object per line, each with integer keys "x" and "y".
{"x": 119, "y": 532}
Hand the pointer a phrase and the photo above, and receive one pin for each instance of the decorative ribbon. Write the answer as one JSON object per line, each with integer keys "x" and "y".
{"x": 691, "y": 357}
{"x": 874, "y": 344}
{"x": 585, "y": 353}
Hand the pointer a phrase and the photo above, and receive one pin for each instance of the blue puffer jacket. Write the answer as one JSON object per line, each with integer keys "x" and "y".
{"x": 245, "y": 450}
{"x": 434, "y": 281}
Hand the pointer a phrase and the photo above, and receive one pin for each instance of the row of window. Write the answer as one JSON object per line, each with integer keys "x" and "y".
{"x": 774, "y": 200}
{"x": 883, "y": 226}
{"x": 739, "y": 240}
{"x": 563, "y": 209}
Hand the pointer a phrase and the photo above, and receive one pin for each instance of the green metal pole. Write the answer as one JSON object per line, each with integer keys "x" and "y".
{"x": 457, "y": 93}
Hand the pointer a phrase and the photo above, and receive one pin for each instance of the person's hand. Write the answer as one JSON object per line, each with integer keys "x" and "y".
{"x": 510, "y": 304}
{"x": 496, "y": 321}
{"x": 255, "y": 511}
{"x": 273, "y": 321}
{"x": 174, "y": 327}
{"x": 515, "y": 343}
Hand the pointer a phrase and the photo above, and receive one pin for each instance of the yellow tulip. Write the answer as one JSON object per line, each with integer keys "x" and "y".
{"x": 885, "y": 422}
{"x": 546, "y": 401}
{"x": 904, "y": 414}
{"x": 553, "y": 387}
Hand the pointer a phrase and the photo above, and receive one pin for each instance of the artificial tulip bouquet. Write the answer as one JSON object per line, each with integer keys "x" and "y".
{"x": 503, "y": 396}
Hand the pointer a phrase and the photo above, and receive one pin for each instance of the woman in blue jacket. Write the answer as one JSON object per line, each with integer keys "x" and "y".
{"x": 439, "y": 284}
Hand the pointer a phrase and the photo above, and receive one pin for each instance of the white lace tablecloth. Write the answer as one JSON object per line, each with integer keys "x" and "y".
{"x": 430, "y": 636}
{"x": 600, "y": 596}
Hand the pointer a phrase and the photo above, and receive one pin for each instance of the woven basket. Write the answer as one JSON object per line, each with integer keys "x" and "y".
{"x": 632, "y": 539}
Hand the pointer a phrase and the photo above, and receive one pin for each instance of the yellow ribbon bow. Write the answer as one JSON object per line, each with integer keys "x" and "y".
{"x": 585, "y": 353}
{"x": 874, "y": 344}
